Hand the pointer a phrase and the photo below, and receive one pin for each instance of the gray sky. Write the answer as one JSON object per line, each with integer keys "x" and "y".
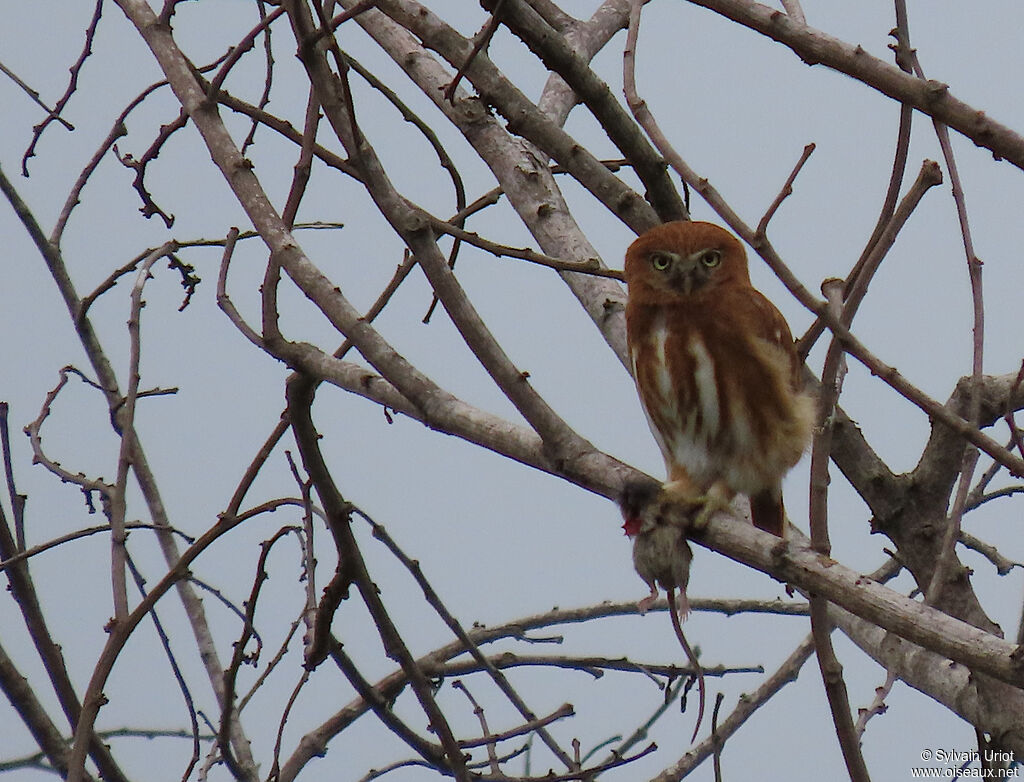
{"x": 497, "y": 540}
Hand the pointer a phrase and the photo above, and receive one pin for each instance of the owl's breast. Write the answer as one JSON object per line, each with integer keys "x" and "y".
{"x": 677, "y": 384}
{"x": 721, "y": 407}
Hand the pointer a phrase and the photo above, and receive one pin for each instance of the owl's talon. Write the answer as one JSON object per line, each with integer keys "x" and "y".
{"x": 676, "y": 494}
{"x": 710, "y": 505}
{"x": 699, "y": 508}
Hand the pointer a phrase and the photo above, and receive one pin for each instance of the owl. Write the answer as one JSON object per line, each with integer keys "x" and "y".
{"x": 716, "y": 370}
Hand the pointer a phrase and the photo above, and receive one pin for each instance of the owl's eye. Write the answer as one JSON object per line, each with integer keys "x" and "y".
{"x": 711, "y": 258}
{"x": 661, "y": 261}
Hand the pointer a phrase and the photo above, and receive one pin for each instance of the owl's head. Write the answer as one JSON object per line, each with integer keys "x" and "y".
{"x": 684, "y": 258}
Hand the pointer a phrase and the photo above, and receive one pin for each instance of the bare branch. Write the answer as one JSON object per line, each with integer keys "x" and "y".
{"x": 351, "y": 563}
{"x": 140, "y": 584}
{"x": 787, "y": 190}
{"x": 74, "y": 70}
{"x": 877, "y": 705}
{"x": 944, "y": 565}
{"x": 522, "y": 115}
{"x": 499, "y": 679}
{"x": 795, "y": 563}
{"x": 118, "y": 497}
{"x": 745, "y": 708}
{"x": 592, "y": 266}
{"x": 556, "y": 53}
{"x": 77, "y": 535}
{"x": 821, "y": 625}
{"x": 794, "y": 10}
{"x": 34, "y": 95}
{"x": 929, "y": 97}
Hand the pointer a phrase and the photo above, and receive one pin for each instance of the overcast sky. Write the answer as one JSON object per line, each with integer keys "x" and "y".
{"x": 497, "y": 540}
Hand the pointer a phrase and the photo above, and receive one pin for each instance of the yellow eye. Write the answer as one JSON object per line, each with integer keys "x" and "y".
{"x": 661, "y": 261}
{"x": 711, "y": 258}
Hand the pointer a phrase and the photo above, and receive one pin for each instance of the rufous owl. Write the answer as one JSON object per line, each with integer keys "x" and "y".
{"x": 716, "y": 370}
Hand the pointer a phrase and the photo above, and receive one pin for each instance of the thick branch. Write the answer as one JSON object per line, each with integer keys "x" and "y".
{"x": 995, "y": 707}
{"x": 797, "y": 564}
{"x": 556, "y": 53}
{"x": 524, "y": 118}
{"x": 929, "y": 97}
{"x": 529, "y": 186}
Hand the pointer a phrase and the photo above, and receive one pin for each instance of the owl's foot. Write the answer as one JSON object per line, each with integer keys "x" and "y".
{"x": 699, "y": 507}
{"x": 710, "y": 505}
{"x": 682, "y": 493}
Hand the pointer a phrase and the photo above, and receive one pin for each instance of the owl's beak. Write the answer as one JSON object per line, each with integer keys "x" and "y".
{"x": 686, "y": 275}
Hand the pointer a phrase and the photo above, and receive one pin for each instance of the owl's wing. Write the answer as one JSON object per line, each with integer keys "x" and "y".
{"x": 760, "y": 317}
{"x": 767, "y": 321}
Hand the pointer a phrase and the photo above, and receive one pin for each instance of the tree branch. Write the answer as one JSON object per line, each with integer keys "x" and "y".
{"x": 929, "y": 97}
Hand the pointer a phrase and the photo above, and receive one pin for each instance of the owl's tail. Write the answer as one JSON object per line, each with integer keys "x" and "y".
{"x": 767, "y": 511}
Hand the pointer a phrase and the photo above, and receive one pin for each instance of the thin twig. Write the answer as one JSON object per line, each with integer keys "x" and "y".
{"x": 787, "y": 190}
{"x": 165, "y": 642}
{"x": 744, "y": 710}
{"x": 224, "y": 300}
{"x": 303, "y": 166}
{"x": 275, "y": 768}
{"x": 34, "y": 432}
{"x": 74, "y": 70}
{"x": 487, "y": 739}
{"x": 482, "y": 39}
{"x": 455, "y": 626}
{"x": 944, "y": 562}
{"x": 34, "y": 95}
{"x": 592, "y": 666}
{"x": 229, "y": 712}
{"x": 308, "y": 557}
{"x": 78, "y": 535}
{"x": 717, "y": 759}
{"x": 282, "y": 650}
{"x": 592, "y": 266}
{"x": 17, "y": 500}
{"x": 268, "y": 79}
{"x": 877, "y": 706}
{"x": 821, "y": 626}
{"x": 126, "y": 423}
{"x": 975, "y": 500}
{"x": 1003, "y": 565}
